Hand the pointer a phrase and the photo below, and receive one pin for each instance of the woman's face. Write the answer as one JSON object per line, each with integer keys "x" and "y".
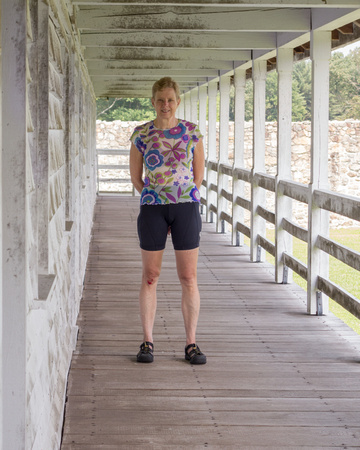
{"x": 165, "y": 103}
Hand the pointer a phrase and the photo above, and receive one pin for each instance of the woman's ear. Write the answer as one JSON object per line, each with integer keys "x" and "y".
{"x": 153, "y": 101}
{"x": 178, "y": 101}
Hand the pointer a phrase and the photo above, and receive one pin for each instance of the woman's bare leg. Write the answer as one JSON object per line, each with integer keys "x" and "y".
{"x": 151, "y": 267}
{"x": 186, "y": 263}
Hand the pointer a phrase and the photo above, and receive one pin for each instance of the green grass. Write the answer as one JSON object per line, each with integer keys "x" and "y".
{"x": 339, "y": 273}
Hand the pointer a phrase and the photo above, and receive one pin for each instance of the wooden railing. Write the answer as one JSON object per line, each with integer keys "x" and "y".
{"x": 115, "y": 175}
{"x": 220, "y": 199}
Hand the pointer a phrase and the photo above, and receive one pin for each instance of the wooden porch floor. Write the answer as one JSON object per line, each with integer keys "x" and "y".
{"x": 275, "y": 378}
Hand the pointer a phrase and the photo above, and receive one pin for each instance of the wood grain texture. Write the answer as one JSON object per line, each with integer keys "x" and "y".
{"x": 275, "y": 378}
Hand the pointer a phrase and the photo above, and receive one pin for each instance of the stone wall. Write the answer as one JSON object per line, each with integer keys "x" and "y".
{"x": 344, "y": 156}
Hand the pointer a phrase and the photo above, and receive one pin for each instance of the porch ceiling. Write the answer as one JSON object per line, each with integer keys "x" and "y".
{"x": 128, "y": 45}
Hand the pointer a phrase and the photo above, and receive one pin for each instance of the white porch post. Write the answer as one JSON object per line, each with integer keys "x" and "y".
{"x": 42, "y": 172}
{"x": 258, "y": 225}
{"x": 211, "y": 177}
{"x": 202, "y": 122}
{"x": 13, "y": 191}
{"x": 223, "y": 149}
{"x": 318, "y": 261}
{"x": 181, "y": 111}
{"x": 194, "y": 97}
{"x": 239, "y": 145}
{"x": 70, "y": 152}
{"x": 283, "y": 204}
{"x": 187, "y": 106}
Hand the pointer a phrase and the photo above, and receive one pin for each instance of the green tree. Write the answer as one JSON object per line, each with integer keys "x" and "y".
{"x": 126, "y": 109}
{"x": 302, "y": 80}
{"x": 345, "y": 85}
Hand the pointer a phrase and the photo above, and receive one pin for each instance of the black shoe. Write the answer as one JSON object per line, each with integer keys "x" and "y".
{"x": 145, "y": 354}
{"x": 194, "y": 354}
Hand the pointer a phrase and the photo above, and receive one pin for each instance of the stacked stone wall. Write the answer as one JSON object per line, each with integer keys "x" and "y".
{"x": 344, "y": 156}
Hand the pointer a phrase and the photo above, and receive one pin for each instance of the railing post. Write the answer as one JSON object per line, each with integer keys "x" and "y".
{"x": 258, "y": 225}
{"x": 211, "y": 177}
{"x": 223, "y": 149}
{"x": 239, "y": 145}
{"x": 283, "y": 204}
{"x": 318, "y": 261}
{"x": 202, "y": 122}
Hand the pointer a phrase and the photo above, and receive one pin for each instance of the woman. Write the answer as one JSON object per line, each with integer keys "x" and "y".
{"x": 173, "y": 155}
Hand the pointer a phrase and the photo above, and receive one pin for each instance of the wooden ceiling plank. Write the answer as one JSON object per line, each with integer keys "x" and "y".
{"x": 158, "y": 65}
{"x": 227, "y": 3}
{"x": 165, "y": 54}
{"x": 115, "y": 73}
{"x": 111, "y": 19}
{"x": 213, "y": 40}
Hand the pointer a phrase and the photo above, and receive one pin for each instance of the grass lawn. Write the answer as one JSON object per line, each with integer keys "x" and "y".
{"x": 341, "y": 274}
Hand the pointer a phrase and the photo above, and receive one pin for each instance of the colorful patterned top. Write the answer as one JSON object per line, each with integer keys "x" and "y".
{"x": 168, "y": 157}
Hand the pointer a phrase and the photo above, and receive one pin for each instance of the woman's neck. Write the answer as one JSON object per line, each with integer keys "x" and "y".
{"x": 166, "y": 124}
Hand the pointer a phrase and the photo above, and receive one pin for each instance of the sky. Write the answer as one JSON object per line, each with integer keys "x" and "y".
{"x": 346, "y": 50}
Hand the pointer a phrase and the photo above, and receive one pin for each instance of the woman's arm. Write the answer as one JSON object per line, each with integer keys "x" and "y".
{"x": 199, "y": 163}
{"x": 136, "y": 168}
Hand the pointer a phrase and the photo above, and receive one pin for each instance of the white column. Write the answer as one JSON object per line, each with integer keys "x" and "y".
{"x": 202, "y": 123}
{"x": 318, "y": 261}
{"x": 283, "y": 205}
{"x": 223, "y": 148}
{"x": 42, "y": 171}
{"x": 70, "y": 151}
{"x": 187, "y": 106}
{"x": 180, "y": 113}
{"x": 1, "y": 270}
{"x": 239, "y": 145}
{"x": 194, "y": 97}
{"x": 211, "y": 177}
{"x": 13, "y": 188}
{"x": 258, "y": 225}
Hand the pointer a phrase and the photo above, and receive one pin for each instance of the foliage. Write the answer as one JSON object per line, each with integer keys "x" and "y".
{"x": 126, "y": 109}
{"x": 344, "y": 95}
{"x": 345, "y": 85}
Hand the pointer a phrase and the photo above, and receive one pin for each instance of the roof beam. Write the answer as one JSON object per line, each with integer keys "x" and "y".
{"x": 165, "y": 54}
{"x": 120, "y": 18}
{"x": 213, "y": 40}
{"x": 116, "y": 73}
{"x": 227, "y": 3}
{"x": 100, "y": 66}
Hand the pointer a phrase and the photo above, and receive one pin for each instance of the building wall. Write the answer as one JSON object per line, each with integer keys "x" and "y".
{"x": 59, "y": 194}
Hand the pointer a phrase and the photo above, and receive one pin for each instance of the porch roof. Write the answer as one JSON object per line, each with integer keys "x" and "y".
{"x": 127, "y": 45}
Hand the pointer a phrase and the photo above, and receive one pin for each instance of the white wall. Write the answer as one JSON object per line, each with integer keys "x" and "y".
{"x": 59, "y": 191}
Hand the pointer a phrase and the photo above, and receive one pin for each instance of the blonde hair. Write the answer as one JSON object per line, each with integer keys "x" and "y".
{"x": 163, "y": 83}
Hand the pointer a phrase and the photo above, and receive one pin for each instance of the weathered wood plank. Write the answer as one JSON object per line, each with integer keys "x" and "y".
{"x": 274, "y": 374}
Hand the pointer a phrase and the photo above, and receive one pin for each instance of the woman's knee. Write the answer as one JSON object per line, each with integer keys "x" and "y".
{"x": 151, "y": 276}
{"x": 188, "y": 279}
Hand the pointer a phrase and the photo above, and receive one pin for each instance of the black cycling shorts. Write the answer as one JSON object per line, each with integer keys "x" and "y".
{"x": 183, "y": 218}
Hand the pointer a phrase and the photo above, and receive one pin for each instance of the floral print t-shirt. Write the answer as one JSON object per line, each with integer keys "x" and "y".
{"x": 168, "y": 157}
